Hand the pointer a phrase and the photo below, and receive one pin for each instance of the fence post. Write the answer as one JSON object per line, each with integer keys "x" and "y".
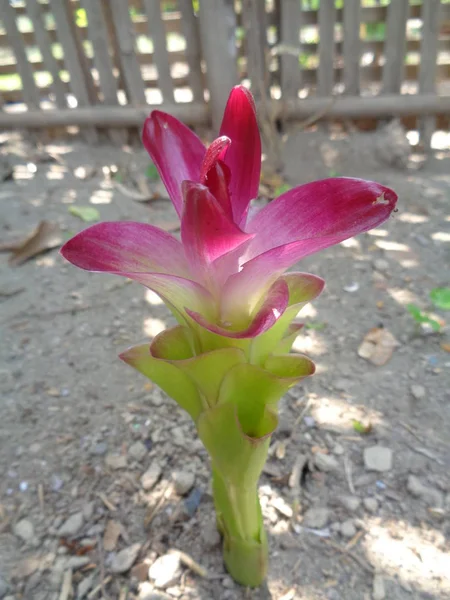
{"x": 218, "y": 39}
{"x": 291, "y": 15}
{"x": 325, "y": 74}
{"x": 254, "y": 18}
{"x": 352, "y": 46}
{"x": 431, "y": 11}
{"x": 394, "y": 46}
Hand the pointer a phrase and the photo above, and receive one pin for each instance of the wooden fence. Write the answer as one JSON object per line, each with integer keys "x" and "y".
{"x": 102, "y": 64}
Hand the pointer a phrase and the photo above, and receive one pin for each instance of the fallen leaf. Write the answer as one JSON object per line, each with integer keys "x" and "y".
{"x": 378, "y": 346}
{"x": 46, "y": 236}
{"x": 441, "y": 297}
{"x": 361, "y": 427}
{"x": 445, "y": 347}
{"x": 111, "y": 536}
{"x": 88, "y": 214}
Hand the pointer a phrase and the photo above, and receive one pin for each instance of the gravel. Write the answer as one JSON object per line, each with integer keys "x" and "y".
{"x": 151, "y": 476}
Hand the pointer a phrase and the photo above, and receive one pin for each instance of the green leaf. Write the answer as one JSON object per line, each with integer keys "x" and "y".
{"x": 174, "y": 382}
{"x": 318, "y": 325}
{"x": 361, "y": 428}
{"x": 81, "y": 17}
{"x": 88, "y": 214}
{"x": 422, "y": 317}
{"x": 440, "y": 297}
{"x": 152, "y": 172}
{"x": 238, "y": 456}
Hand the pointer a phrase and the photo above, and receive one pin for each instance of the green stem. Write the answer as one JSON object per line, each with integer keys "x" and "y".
{"x": 240, "y": 521}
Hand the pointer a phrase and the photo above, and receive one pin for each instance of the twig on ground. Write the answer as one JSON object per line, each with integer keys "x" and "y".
{"x": 348, "y": 473}
{"x": 102, "y": 567}
{"x": 109, "y": 505}
{"x": 153, "y": 511}
{"x": 362, "y": 563}
{"x": 190, "y": 563}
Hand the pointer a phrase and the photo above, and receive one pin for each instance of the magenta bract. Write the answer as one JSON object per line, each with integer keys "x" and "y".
{"x": 224, "y": 273}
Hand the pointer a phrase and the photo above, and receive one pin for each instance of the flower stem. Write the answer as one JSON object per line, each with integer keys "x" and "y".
{"x": 239, "y": 519}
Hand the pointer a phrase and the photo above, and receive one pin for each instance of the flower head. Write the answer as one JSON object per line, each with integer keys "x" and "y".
{"x": 227, "y": 274}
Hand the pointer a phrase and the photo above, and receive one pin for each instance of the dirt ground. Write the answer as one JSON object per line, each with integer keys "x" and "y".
{"x": 78, "y": 428}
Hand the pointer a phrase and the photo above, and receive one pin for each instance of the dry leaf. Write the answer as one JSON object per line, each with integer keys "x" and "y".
{"x": 378, "y": 346}
{"x": 111, "y": 536}
{"x": 46, "y": 236}
{"x": 445, "y": 347}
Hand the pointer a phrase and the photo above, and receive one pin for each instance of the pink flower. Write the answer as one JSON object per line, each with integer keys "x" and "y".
{"x": 227, "y": 272}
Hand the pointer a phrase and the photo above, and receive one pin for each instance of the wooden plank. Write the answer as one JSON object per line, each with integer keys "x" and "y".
{"x": 34, "y": 9}
{"x": 192, "y": 114}
{"x": 351, "y": 46}
{"x": 431, "y": 12}
{"x": 98, "y": 34}
{"x": 100, "y": 116}
{"x": 30, "y": 90}
{"x": 291, "y": 21}
{"x": 71, "y": 59}
{"x": 256, "y": 45}
{"x": 129, "y": 66}
{"x": 219, "y": 51}
{"x": 325, "y": 77}
{"x": 394, "y": 47}
{"x": 158, "y": 35}
{"x": 193, "y": 51}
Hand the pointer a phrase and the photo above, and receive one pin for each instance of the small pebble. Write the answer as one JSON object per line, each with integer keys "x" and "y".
{"x": 381, "y": 265}
{"x": 99, "y": 449}
{"x": 325, "y": 462}
{"x": 210, "y": 535}
{"x": 72, "y": 525}
{"x": 309, "y": 421}
{"x": 183, "y": 482}
{"x": 192, "y": 501}
{"x": 316, "y": 518}
{"x": 378, "y": 458}
{"x": 418, "y": 391}
{"x": 137, "y": 451}
{"x": 228, "y": 583}
{"x": 371, "y": 505}
{"x": 351, "y": 503}
{"x": 348, "y": 529}
{"x": 24, "y": 530}
{"x": 428, "y": 494}
{"x": 116, "y": 461}
{"x": 88, "y": 510}
{"x": 123, "y": 561}
{"x": 378, "y": 590}
{"x": 165, "y": 570}
{"x": 151, "y": 476}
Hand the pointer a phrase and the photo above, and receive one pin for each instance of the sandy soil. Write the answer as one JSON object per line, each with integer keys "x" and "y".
{"x": 78, "y": 428}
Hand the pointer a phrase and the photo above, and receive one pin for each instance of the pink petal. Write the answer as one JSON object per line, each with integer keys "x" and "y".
{"x": 244, "y": 154}
{"x": 217, "y": 181}
{"x": 305, "y": 220}
{"x": 176, "y": 151}
{"x": 207, "y": 233}
{"x": 273, "y": 307}
{"x": 126, "y": 246}
{"x": 143, "y": 253}
{"x": 335, "y": 209}
{"x": 215, "y": 151}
